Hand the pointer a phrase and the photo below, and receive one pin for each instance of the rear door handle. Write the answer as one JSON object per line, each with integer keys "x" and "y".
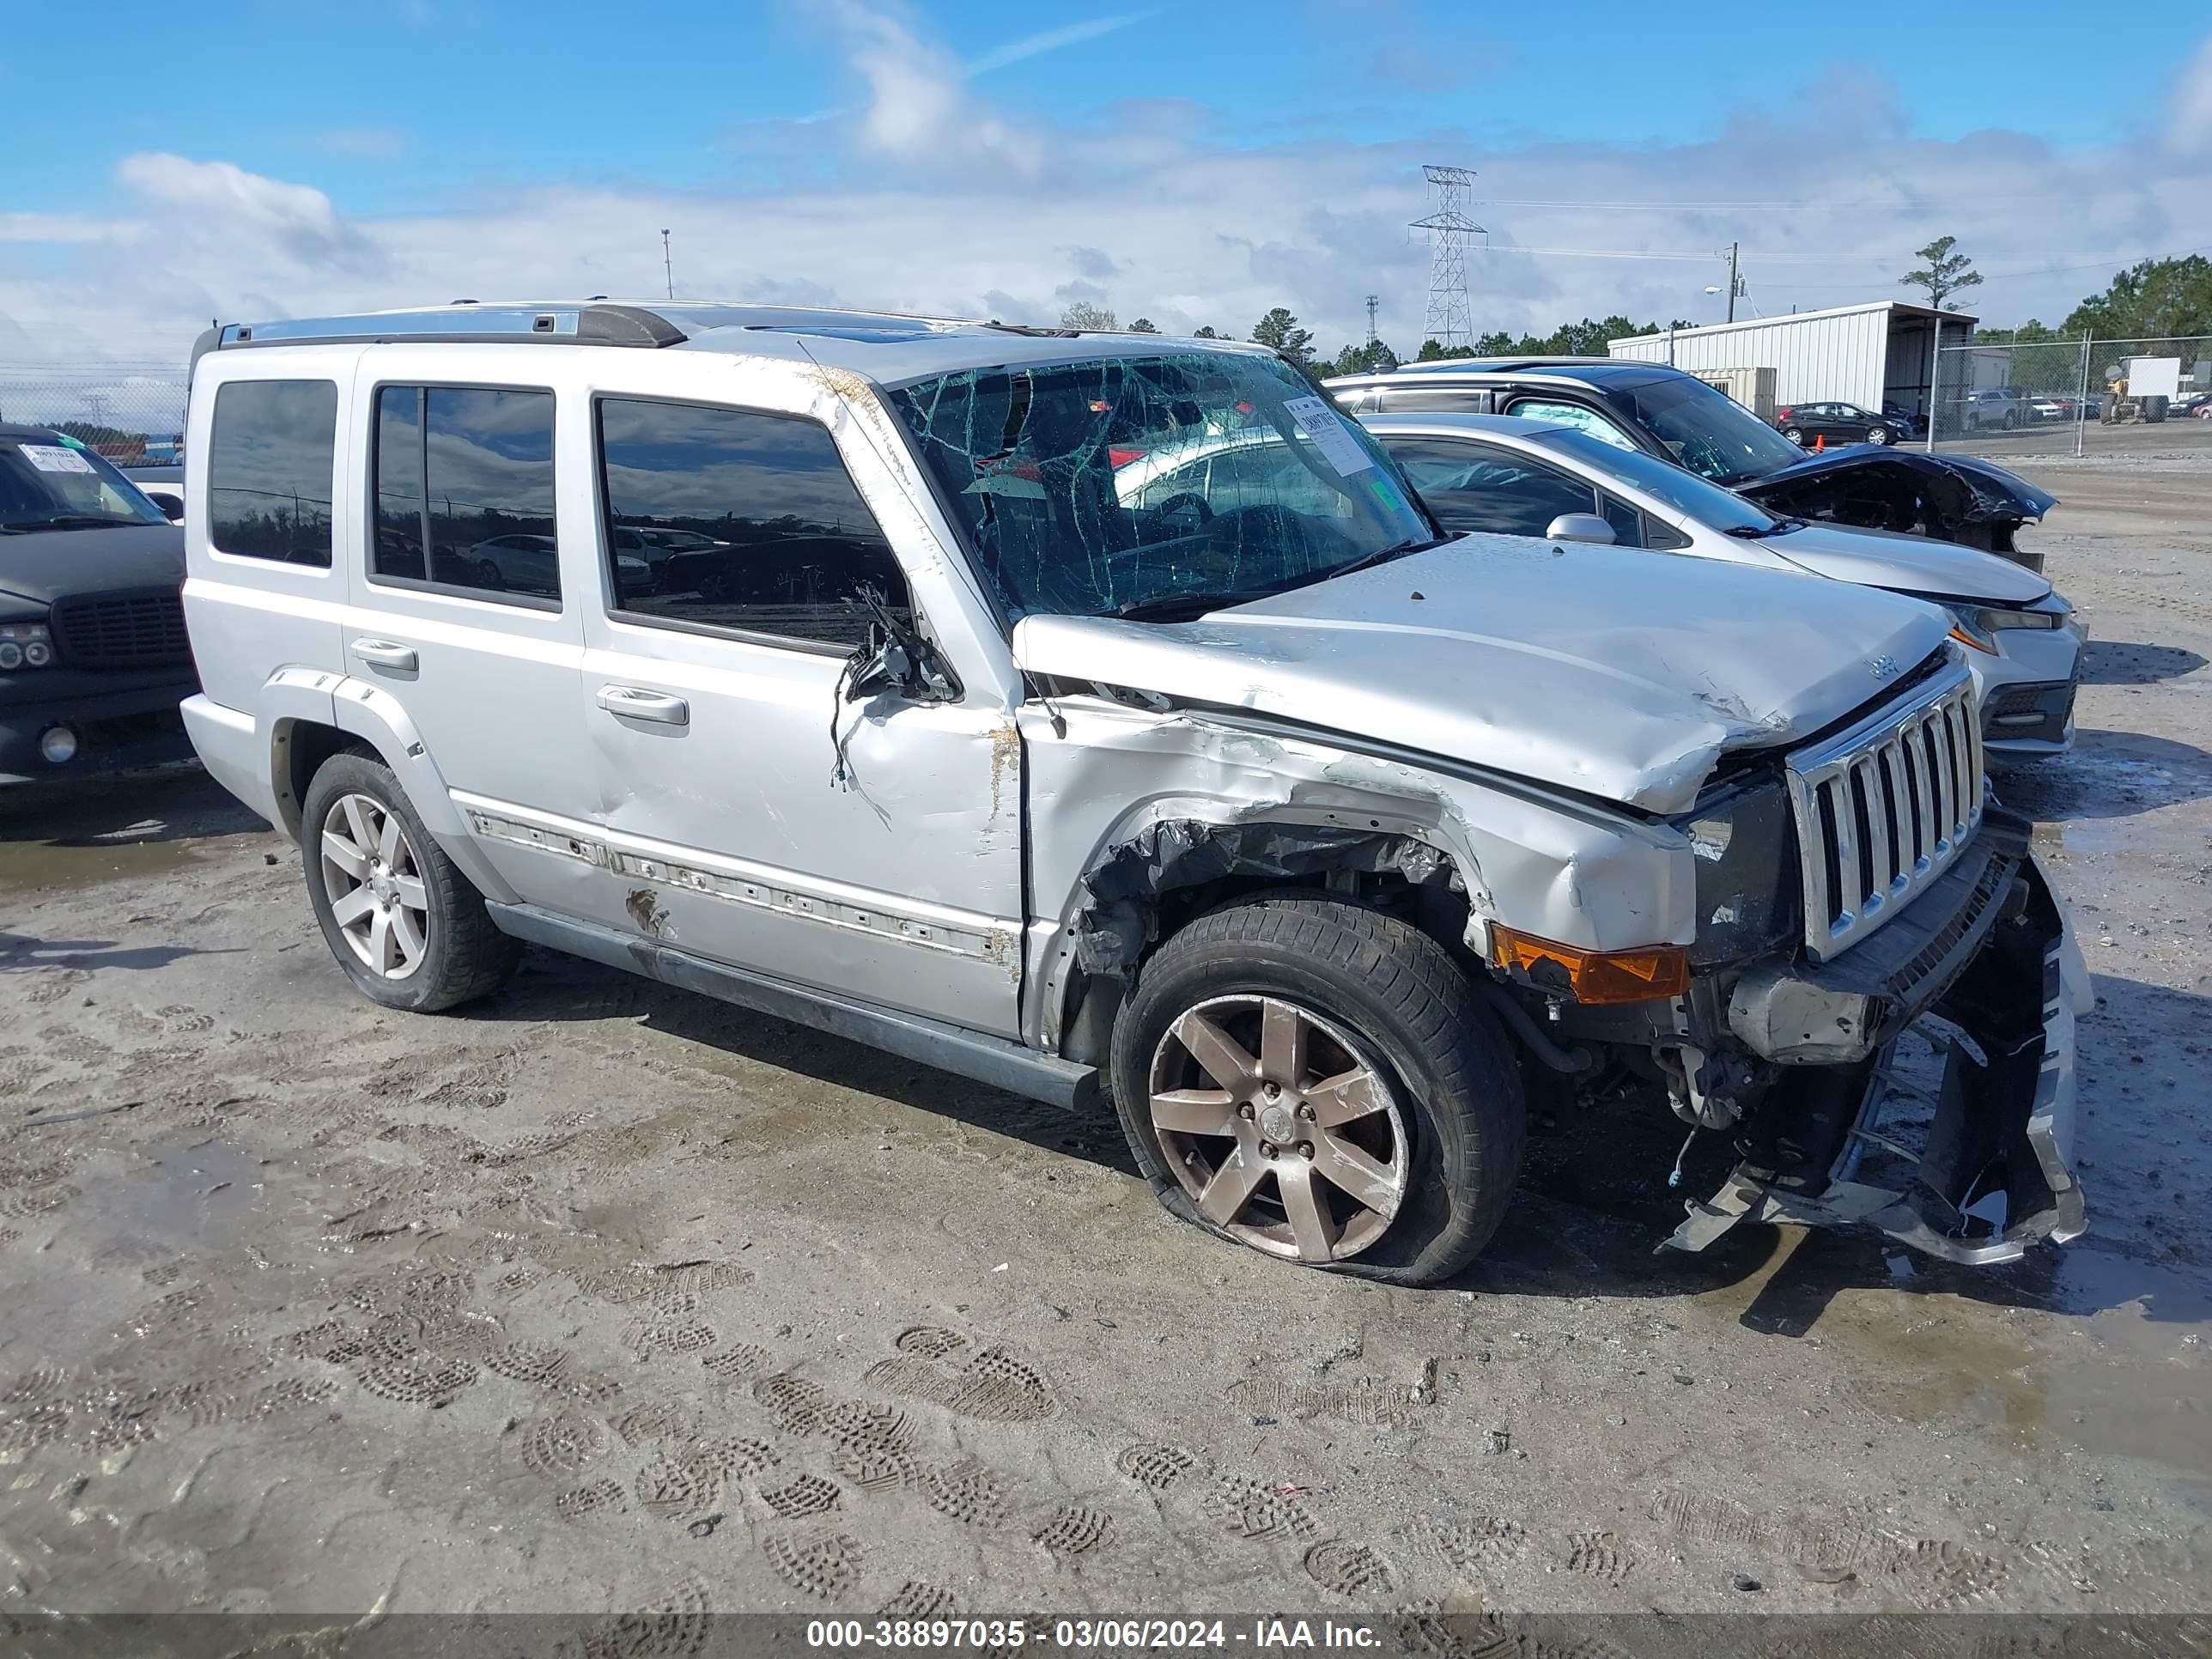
{"x": 385, "y": 654}
{"x": 635, "y": 703}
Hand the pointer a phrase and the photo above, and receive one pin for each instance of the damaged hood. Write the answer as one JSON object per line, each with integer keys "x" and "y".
{"x": 1605, "y": 671}
{"x": 1955, "y": 489}
{"x": 1884, "y": 558}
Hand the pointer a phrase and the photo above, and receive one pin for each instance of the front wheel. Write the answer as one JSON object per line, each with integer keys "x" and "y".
{"x": 1319, "y": 1081}
{"x": 409, "y": 928}
{"x": 1879, "y": 435}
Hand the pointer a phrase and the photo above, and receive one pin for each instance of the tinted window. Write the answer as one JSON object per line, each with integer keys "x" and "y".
{"x": 1475, "y": 487}
{"x": 269, "y": 462}
{"x": 469, "y": 474}
{"x": 773, "y": 535}
{"x": 1403, "y": 400}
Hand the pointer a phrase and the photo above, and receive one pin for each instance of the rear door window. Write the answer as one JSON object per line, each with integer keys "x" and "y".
{"x": 269, "y": 462}
{"x": 463, "y": 488}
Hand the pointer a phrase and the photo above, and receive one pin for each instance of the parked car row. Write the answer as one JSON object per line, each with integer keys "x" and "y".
{"x": 1116, "y": 720}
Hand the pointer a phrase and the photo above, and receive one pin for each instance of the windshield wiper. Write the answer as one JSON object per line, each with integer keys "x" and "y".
{"x": 66, "y": 521}
{"x": 1164, "y": 606}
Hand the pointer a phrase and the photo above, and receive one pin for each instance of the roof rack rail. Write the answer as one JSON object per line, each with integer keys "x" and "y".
{"x": 559, "y": 325}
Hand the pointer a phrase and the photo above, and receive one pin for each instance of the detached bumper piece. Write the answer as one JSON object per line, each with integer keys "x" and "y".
{"x": 1967, "y": 1163}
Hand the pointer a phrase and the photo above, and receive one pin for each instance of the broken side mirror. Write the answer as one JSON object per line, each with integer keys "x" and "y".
{"x": 1579, "y": 527}
{"x": 900, "y": 665}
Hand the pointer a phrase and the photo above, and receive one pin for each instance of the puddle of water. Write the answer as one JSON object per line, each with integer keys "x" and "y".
{"x": 187, "y": 1195}
{"x": 51, "y": 867}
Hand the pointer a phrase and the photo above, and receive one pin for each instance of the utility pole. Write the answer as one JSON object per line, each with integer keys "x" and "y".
{"x": 667, "y": 264}
{"x": 1736, "y": 283}
{"x": 1373, "y": 301}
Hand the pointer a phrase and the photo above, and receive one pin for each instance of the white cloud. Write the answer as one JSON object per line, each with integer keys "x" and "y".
{"x": 1068, "y": 34}
{"x": 939, "y": 204}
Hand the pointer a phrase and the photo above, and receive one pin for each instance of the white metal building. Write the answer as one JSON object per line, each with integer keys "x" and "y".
{"x": 1882, "y": 351}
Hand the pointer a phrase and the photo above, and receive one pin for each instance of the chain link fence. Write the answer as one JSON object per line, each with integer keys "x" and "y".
{"x": 131, "y": 412}
{"x": 2080, "y": 397}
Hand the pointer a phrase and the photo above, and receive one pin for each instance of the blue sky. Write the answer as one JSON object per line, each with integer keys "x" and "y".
{"x": 292, "y": 154}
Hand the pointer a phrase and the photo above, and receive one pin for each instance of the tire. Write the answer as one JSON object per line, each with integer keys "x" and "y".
{"x": 1879, "y": 435}
{"x": 489, "y": 575}
{"x": 2011, "y": 419}
{"x": 1368, "y": 987}
{"x": 463, "y": 956}
{"x": 1794, "y": 435}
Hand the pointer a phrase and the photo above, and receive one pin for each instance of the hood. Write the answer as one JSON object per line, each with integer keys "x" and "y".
{"x": 45, "y": 565}
{"x": 1955, "y": 490}
{"x": 1882, "y": 558}
{"x": 1605, "y": 671}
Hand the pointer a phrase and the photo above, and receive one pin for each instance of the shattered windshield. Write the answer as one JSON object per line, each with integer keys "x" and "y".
{"x": 1126, "y": 484}
{"x": 1709, "y": 432}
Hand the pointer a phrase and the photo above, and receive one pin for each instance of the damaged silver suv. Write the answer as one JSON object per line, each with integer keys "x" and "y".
{"x": 1224, "y": 782}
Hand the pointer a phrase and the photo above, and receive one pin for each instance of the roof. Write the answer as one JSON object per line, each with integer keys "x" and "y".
{"x": 15, "y": 433}
{"x": 1964, "y": 319}
{"x": 887, "y": 347}
{"x": 1598, "y": 370}
{"x": 1510, "y": 426}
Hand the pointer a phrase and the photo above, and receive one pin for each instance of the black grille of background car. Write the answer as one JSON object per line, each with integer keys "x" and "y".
{"x": 122, "y": 630}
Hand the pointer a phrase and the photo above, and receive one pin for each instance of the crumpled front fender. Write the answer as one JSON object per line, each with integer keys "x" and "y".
{"x": 1953, "y": 498}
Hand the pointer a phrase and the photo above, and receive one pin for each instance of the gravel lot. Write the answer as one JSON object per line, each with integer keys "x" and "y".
{"x": 604, "y": 1296}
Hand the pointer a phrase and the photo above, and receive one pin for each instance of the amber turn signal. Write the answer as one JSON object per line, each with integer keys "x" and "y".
{"x": 1655, "y": 970}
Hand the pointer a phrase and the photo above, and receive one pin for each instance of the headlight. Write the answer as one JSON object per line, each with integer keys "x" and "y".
{"x": 1743, "y": 850}
{"x": 25, "y": 645}
{"x": 1978, "y": 626}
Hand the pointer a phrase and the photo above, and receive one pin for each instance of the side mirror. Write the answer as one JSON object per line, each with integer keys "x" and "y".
{"x": 881, "y": 664}
{"x": 173, "y": 509}
{"x": 1579, "y": 527}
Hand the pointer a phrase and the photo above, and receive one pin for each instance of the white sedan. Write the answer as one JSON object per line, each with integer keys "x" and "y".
{"x": 1534, "y": 478}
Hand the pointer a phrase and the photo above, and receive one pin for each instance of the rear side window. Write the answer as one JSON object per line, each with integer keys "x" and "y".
{"x": 269, "y": 461}
{"x": 1434, "y": 400}
{"x": 464, "y": 491}
{"x": 1577, "y": 416}
{"x": 721, "y": 519}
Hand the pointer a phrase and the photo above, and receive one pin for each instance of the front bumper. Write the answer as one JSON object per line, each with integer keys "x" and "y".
{"x": 117, "y": 729}
{"x": 1973, "y": 1167}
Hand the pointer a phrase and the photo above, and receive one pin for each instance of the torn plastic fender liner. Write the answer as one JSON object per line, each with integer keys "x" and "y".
{"x": 1115, "y": 924}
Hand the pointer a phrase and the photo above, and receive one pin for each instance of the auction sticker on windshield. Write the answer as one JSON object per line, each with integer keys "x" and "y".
{"x": 52, "y": 457}
{"x": 1326, "y": 429}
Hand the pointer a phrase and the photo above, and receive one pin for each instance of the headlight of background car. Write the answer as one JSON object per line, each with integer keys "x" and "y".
{"x": 25, "y": 645}
{"x": 1978, "y": 626}
{"x": 1743, "y": 846}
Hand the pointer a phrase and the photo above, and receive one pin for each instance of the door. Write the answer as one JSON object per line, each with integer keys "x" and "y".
{"x": 477, "y": 639}
{"x": 751, "y": 812}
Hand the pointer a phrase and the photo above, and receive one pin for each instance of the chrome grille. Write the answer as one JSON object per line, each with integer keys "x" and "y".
{"x": 1884, "y": 808}
{"x": 122, "y": 630}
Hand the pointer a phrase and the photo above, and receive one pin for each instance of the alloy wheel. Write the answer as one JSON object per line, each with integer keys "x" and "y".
{"x": 375, "y": 886}
{"x": 1281, "y": 1130}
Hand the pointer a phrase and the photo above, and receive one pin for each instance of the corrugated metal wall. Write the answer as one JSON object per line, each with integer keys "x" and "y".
{"x": 1815, "y": 359}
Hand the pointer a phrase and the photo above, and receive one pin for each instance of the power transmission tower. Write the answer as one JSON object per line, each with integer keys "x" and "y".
{"x": 1373, "y": 301}
{"x": 1450, "y": 320}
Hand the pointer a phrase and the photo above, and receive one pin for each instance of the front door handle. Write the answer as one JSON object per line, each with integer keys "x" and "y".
{"x": 635, "y": 703}
{"x": 386, "y": 654}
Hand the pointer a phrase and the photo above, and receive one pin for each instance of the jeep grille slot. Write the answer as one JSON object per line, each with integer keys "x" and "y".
{"x": 121, "y": 631}
{"x": 1884, "y": 809}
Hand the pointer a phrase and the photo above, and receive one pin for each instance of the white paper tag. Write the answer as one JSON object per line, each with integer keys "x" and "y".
{"x": 52, "y": 457}
{"x": 1326, "y": 427}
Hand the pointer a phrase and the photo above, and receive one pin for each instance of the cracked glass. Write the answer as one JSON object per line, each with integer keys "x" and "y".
{"x": 1151, "y": 485}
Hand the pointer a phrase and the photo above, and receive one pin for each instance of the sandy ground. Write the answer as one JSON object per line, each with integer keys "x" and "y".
{"x": 607, "y": 1297}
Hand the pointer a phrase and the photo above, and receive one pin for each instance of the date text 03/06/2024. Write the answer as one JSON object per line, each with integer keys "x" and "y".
{"x": 1081, "y": 1635}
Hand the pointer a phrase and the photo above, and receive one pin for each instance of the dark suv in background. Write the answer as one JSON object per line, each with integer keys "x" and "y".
{"x": 94, "y": 657}
{"x": 1662, "y": 411}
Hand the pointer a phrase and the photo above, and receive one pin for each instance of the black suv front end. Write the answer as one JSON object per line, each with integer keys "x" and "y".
{"x": 94, "y": 655}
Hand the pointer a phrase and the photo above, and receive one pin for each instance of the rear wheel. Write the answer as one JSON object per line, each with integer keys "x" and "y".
{"x": 409, "y": 928}
{"x": 1318, "y": 1082}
